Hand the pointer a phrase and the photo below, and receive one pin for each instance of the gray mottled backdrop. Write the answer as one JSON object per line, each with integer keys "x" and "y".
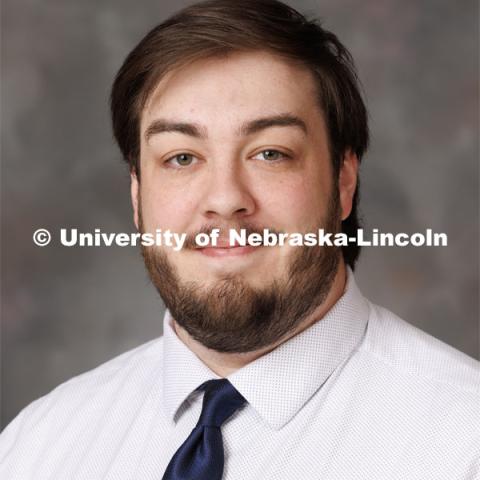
{"x": 65, "y": 311}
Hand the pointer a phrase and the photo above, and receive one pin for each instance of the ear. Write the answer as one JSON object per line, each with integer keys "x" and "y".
{"x": 347, "y": 182}
{"x": 134, "y": 192}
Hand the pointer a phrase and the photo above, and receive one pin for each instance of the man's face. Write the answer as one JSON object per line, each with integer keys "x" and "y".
{"x": 237, "y": 142}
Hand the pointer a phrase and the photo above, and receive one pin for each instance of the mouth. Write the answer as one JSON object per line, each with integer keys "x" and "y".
{"x": 227, "y": 251}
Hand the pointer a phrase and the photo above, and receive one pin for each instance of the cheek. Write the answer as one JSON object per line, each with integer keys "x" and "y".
{"x": 165, "y": 208}
{"x": 297, "y": 204}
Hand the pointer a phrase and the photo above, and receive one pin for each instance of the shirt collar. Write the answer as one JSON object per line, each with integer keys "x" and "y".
{"x": 183, "y": 371}
{"x": 278, "y": 384}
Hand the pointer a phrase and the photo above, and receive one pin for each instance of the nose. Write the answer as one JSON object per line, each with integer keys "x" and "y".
{"x": 228, "y": 194}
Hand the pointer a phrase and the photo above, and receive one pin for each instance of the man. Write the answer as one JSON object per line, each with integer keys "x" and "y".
{"x": 244, "y": 115}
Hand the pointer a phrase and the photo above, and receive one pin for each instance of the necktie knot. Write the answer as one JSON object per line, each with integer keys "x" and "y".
{"x": 201, "y": 456}
{"x": 220, "y": 402}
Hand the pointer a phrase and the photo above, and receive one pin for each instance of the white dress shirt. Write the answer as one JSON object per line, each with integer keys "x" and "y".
{"x": 359, "y": 395}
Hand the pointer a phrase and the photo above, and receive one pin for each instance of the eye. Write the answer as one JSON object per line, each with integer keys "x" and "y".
{"x": 181, "y": 160}
{"x": 271, "y": 155}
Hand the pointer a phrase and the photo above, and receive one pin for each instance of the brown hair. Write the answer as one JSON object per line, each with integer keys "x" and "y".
{"x": 216, "y": 27}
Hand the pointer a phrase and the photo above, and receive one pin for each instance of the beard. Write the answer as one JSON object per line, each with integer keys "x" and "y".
{"x": 232, "y": 316}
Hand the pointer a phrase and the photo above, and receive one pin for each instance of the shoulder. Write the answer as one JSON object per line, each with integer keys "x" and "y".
{"x": 129, "y": 366}
{"x": 410, "y": 351}
{"x": 86, "y": 397}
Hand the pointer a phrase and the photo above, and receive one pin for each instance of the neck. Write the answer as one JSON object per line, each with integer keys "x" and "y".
{"x": 224, "y": 364}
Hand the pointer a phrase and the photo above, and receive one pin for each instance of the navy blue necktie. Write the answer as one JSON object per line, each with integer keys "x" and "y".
{"x": 201, "y": 455}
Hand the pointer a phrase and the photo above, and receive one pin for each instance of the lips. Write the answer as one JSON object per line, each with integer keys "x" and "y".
{"x": 224, "y": 243}
{"x": 224, "y": 250}
{"x": 221, "y": 243}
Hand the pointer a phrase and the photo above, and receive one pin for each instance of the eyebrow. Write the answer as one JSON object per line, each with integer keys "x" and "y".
{"x": 282, "y": 120}
{"x": 161, "y": 126}
{"x": 248, "y": 128}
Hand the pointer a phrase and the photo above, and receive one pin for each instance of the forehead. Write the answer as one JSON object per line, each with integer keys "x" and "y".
{"x": 232, "y": 88}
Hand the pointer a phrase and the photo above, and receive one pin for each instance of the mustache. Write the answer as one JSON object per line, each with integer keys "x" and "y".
{"x": 224, "y": 232}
